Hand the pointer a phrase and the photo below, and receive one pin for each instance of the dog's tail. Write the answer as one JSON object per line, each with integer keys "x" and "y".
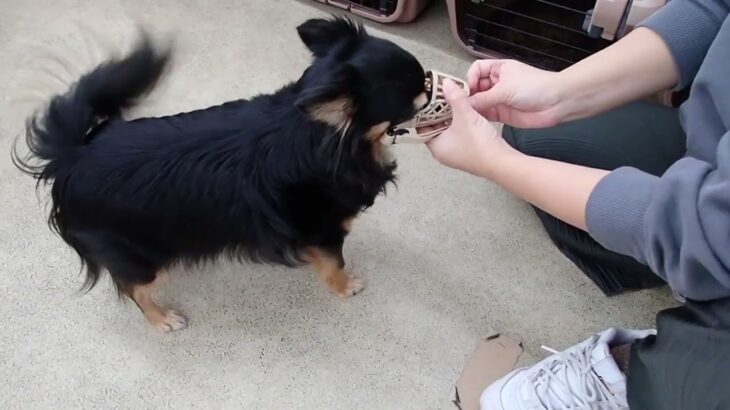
{"x": 54, "y": 133}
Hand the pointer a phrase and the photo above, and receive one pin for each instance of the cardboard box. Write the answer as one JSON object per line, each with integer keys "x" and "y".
{"x": 493, "y": 358}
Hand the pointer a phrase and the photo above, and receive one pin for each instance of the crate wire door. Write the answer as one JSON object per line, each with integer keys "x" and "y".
{"x": 546, "y": 34}
{"x": 383, "y": 11}
{"x": 385, "y": 7}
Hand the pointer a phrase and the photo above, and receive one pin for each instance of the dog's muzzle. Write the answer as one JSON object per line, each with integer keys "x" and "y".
{"x": 435, "y": 114}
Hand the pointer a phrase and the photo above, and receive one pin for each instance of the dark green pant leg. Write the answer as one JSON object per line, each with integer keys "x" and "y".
{"x": 686, "y": 366}
{"x": 642, "y": 135}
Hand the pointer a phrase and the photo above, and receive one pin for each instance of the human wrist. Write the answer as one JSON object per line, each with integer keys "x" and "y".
{"x": 569, "y": 96}
{"x": 498, "y": 162}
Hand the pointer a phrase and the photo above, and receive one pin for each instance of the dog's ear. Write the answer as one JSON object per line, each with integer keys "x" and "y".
{"x": 326, "y": 94}
{"x": 319, "y": 35}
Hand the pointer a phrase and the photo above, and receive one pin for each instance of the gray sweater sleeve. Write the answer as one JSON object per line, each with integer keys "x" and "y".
{"x": 688, "y": 27}
{"x": 679, "y": 223}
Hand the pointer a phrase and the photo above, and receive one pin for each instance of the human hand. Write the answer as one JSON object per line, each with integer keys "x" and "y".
{"x": 515, "y": 93}
{"x": 471, "y": 143}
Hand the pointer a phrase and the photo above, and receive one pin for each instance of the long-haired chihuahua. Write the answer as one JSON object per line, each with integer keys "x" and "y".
{"x": 275, "y": 179}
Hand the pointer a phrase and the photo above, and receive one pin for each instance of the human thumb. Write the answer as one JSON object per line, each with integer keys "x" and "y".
{"x": 456, "y": 97}
{"x": 485, "y": 100}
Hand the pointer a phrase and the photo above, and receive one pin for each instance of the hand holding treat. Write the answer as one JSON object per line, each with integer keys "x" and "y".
{"x": 470, "y": 143}
{"x": 432, "y": 119}
{"x": 515, "y": 93}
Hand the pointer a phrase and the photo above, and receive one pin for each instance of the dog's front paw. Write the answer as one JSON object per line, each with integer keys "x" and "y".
{"x": 171, "y": 321}
{"x": 353, "y": 286}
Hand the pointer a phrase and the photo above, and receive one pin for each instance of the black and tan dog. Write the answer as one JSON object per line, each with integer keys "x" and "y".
{"x": 273, "y": 179}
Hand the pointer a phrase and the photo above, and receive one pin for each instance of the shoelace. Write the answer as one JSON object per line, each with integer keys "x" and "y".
{"x": 552, "y": 386}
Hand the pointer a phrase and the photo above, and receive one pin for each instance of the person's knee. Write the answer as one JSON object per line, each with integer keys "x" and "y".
{"x": 537, "y": 142}
{"x": 520, "y": 139}
{"x": 509, "y": 134}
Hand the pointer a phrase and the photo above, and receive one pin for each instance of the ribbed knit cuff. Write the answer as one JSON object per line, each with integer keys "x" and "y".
{"x": 616, "y": 208}
{"x": 688, "y": 28}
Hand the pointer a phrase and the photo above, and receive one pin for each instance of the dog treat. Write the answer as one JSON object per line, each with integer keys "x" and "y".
{"x": 434, "y": 114}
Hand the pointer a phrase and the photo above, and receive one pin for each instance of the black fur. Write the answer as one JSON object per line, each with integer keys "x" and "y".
{"x": 257, "y": 179}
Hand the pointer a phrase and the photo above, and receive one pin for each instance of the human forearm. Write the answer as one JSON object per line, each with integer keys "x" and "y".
{"x": 473, "y": 145}
{"x": 558, "y": 188}
{"x": 638, "y": 65}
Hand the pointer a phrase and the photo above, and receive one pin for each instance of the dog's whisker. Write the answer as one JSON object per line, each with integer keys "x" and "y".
{"x": 340, "y": 144}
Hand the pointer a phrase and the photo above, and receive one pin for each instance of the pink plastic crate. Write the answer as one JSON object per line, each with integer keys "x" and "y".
{"x": 551, "y": 34}
{"x": 383, "y": 11}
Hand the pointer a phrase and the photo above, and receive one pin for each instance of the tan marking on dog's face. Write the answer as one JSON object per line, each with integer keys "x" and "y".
{"x": 420, "y": 101}
{"x": 377, "y": 131}
{"x": 337, "y": 113}
{"x": 381, "y": 152}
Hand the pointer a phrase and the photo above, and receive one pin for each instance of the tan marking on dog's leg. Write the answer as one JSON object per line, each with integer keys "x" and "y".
{"x": 332, "y": 274}
{"x": 166, "y": 320}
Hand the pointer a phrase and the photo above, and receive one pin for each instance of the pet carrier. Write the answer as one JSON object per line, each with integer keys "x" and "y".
{"x": 383, "y": 11}
{"x": 550, "y": 34}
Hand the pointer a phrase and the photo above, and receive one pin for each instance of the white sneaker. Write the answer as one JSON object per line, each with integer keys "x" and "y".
{"x": 584, "y": 376}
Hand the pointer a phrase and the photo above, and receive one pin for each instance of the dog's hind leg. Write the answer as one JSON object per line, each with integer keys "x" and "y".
{"x": 330, "y": 264}
{"x": 166, "y": 320}
{"x": 135, "y": 271}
